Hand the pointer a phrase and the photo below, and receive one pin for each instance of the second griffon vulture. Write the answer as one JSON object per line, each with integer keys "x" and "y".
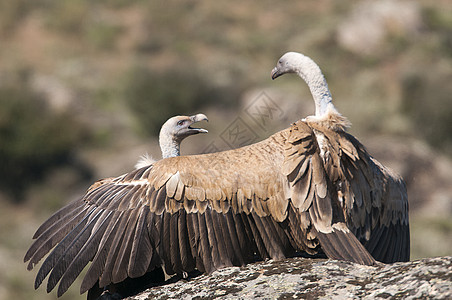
{"x": 307, "y": 189}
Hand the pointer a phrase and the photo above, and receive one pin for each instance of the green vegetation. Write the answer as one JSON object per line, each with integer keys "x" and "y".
{"x": 11, "y": 13}
{"x": 426, "y": 100}
{"x": 155, "y": 95}
{"x": 33, "y": 139}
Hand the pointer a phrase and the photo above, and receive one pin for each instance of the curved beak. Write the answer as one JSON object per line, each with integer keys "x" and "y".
{"x": 195, "y": 119}
{"x": 276, "y": 73}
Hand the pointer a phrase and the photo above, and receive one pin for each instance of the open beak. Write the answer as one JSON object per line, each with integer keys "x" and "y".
{"x": 276, "y": 73}
{"x": 195, "y": 119}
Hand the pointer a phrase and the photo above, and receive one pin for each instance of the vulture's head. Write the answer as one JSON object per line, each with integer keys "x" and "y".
{"x": 293, "y": 62}
{"x": 180, "y": 127}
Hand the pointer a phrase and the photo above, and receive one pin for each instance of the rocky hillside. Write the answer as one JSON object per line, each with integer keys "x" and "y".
{"x": 302, "y": 278}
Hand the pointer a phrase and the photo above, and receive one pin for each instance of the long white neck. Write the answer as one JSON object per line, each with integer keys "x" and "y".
{"x": 310, "y": 72}
{"x": 169, "y": 145}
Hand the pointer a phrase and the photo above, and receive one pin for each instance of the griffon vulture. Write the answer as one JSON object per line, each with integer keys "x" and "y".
{"x": 369, "y": 196}
{"x": 298, "y": 191}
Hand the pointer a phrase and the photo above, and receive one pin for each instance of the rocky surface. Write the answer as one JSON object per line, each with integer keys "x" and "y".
{"x": 301, "y": 278}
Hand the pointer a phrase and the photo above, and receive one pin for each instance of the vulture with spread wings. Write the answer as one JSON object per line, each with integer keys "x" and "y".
{"x": 311, "y": 188}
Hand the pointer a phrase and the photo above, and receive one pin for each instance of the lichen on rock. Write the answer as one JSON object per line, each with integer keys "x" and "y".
{"x": 304, "y": 278}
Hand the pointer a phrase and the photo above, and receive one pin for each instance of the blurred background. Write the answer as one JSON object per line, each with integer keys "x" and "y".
{"x": 86, "y": 85}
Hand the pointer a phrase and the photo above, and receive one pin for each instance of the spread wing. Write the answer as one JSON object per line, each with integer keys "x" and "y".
{"x": 267, "y": 200}
{"x": 314, "y": 198}
{"x": 373, "y": 198}
{"x": 200, "y": 212}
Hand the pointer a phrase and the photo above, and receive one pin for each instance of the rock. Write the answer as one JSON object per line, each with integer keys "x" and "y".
{"x": 303, "y": 278}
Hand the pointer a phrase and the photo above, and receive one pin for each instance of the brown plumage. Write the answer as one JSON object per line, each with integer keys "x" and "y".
{"x": 372, "y": 198}
{"x": 306, "y": 189}
{"x": 172, "y": 133}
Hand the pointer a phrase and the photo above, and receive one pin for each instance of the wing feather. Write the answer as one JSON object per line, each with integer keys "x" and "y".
{"x": 213, "y": 241}
{"x": 175, "y": 254}
{"x": 64, "y": 212}
{"x": 165, "y": 245}
{"x": 223, "y": 243}
{"x": 71, "y": 249}
{"x": 107, "y": 274}
{"x": 59, "y": 250}
{"x": 53, "y": 235}
{"x": 142, "y": 250}
{"x": 196, "y": 243}
{"x": 232, "y": 239}
{"x": 86, "y": 254}
{"x": 119, "y": 272}
{"x": 98, "y": 264}
{"x": 186, "y": 256}
{"x": 247, "y": 244}
{"x": 270, "y": 241}
{"x": 256, "y": 236}
{"x": 206, "y": 254}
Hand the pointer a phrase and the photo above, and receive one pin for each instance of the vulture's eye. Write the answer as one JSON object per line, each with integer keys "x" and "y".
{"x": 180, "y": 123}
